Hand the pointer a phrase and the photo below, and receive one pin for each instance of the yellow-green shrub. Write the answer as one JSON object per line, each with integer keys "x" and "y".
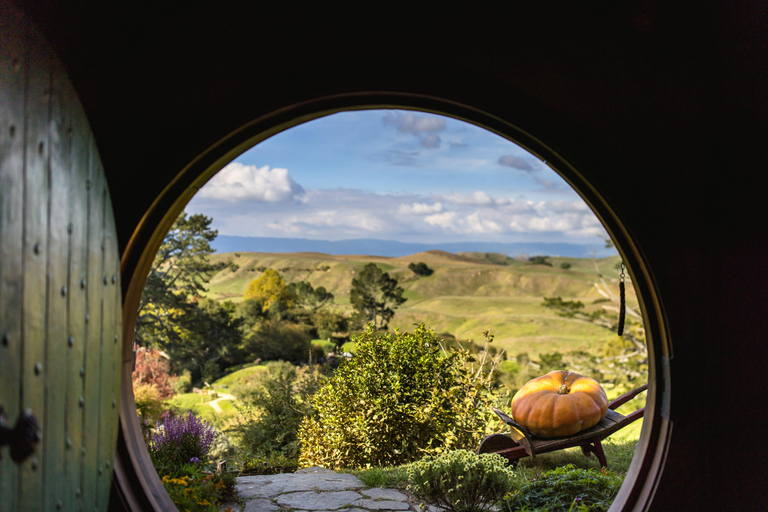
{"x": 399, "y": 398}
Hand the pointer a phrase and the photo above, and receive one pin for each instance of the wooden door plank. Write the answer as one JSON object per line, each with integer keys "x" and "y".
{"x": 13, "y": 66}
{"x": 76, "y": 338}
{"x": 60, "y": 169}
{"x": 110, "y": 353}
{"x": 36, "y": 204}
{"x": 91, "y": 392}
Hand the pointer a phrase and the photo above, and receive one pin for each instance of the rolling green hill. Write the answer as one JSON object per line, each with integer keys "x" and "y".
{"x": 467, "y": 294}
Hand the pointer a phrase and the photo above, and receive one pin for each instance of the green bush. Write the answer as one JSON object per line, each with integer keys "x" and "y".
{"x": 461, "y": 481}
{"x": 400, "y": 397}
{"x": 182, "y": 383}
{"x": 275, "y": 404}
{"x": 564, "y": 489}
{"x": 274, "y": 341}
{"x": 149, "y": 403}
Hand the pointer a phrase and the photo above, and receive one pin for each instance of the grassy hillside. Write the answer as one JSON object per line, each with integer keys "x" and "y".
{"x": 467, "y": 293}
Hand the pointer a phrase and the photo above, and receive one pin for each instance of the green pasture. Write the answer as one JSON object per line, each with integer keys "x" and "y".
{"x": 466, "y": 295}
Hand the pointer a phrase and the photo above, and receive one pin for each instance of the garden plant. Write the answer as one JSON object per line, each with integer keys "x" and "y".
{"x": 401, "y": 397}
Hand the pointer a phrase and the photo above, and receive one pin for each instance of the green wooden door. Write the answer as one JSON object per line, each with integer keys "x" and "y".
{"x": 60, "y": 307}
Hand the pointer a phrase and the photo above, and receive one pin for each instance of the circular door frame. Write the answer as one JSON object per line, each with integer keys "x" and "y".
{"x": 136, "y": 481}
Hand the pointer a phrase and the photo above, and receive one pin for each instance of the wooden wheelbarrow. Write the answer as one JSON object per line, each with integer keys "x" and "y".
{"x": 520, "y": 443}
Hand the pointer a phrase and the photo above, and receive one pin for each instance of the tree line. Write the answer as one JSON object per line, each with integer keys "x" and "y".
{"x": 275, "y": 321}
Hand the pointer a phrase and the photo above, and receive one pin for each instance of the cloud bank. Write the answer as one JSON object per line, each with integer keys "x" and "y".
{"x": 237, "y": 182}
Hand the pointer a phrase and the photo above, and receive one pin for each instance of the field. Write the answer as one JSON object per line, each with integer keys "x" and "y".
{"x": 467, "y": 294}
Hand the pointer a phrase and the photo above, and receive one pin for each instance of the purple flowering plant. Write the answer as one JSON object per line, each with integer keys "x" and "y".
{"x": 181, "y": 439}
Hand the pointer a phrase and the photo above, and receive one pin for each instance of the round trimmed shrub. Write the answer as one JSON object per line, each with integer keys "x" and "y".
{"x": 399, "y": 398}
{"x": 461, "y": 481}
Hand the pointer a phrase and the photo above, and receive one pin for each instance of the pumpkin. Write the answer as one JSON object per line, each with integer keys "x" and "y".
{"x": 558, "y": 404}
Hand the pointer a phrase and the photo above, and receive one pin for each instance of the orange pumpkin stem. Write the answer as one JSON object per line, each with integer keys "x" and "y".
{"x": 563, "y": 390}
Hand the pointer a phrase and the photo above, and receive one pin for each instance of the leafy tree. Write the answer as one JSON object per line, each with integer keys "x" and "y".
{"x": 274, "y": 340}
{"x": 420, "y": 269}
{"x": 208, "y": 341}
{"x": 328, "y": 322}
{"x": 539, "y": 260}
{"x": 375, "y": 296}
{"x": 269, "y": 288}
{"x": 308, "y": 297}
{"x": 565, "y": 265}
{"x": 180, "y": 270}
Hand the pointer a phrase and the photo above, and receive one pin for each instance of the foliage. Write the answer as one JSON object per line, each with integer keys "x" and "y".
{"x": 273, "y": 340}
{"x": 329, "y": 322}
{"x": 539, "y": 260}
{"x": 152, "y": 368}
{"x": 192, "y": 490}
{"x": 308, "y": 297}
{"x": 566, "y": 488}
{"x": 251, "y": 464}
{"x": 625, "y": 357}
{"x": 274, "y": 407}
{"x": 269, "y": 288}
{"x": 551, "y": 361}
{"x": 396, "y": 476}
{"x": 208, "y": 340}
{"x": 420, "y": 269}
{"x": 149, "y": 403}
{"x": 375, "y": 295}
{"x": 565, "y": 265}
{"x": 461, "y": 481}
{"x": 179, "y": 272}
{"x": 180, "y": 440}
{"x": 399, "y": 398}
{"x": 182, "y": 383}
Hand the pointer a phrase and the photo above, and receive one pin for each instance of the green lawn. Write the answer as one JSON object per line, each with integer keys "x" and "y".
{"x": 242, "y": 375}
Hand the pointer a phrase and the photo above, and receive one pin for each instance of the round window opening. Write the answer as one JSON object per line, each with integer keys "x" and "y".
{"x": 389, "y": 288}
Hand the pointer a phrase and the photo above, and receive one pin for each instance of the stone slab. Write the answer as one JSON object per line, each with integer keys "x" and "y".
{"x": 378, "y": 493}
{"x": 312, "y": 500}
{"x": 260, "y": 505}
{"x": 271, "y": 486}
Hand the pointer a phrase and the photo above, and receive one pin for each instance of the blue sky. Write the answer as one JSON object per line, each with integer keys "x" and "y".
{"x": 394, "y": 175}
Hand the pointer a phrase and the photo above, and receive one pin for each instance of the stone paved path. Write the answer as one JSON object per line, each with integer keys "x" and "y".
{"x": 319, "y": 490}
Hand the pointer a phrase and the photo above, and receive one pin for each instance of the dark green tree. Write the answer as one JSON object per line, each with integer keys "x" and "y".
{"x": 310, "y": 298}
{"x": 375, "y": 296}
{"x": 208, "y": 342}
{"x": 420, "y": 269}
{"x": 180, "y": 270}
{"x": 539, "y": 260}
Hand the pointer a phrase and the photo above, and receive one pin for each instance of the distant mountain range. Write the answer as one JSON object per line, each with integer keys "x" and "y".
{"x": 391, "y": 248}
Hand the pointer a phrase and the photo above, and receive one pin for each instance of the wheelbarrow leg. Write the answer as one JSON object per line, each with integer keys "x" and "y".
{"x": 596, "y": 448}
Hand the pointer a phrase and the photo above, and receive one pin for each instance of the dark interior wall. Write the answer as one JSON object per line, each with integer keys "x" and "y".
{"x": 661, "y": 106}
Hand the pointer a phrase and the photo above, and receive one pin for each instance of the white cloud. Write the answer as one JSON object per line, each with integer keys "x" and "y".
{"x": 561, "y": 206}
{"x": 444, "y": 220}
{"x": 237, "y": 182}
{"x": 340, "y": 213}
{"x": 419, "y": 208}
{"x": 478, "y": 197}
{"x": 408, "y": 122}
